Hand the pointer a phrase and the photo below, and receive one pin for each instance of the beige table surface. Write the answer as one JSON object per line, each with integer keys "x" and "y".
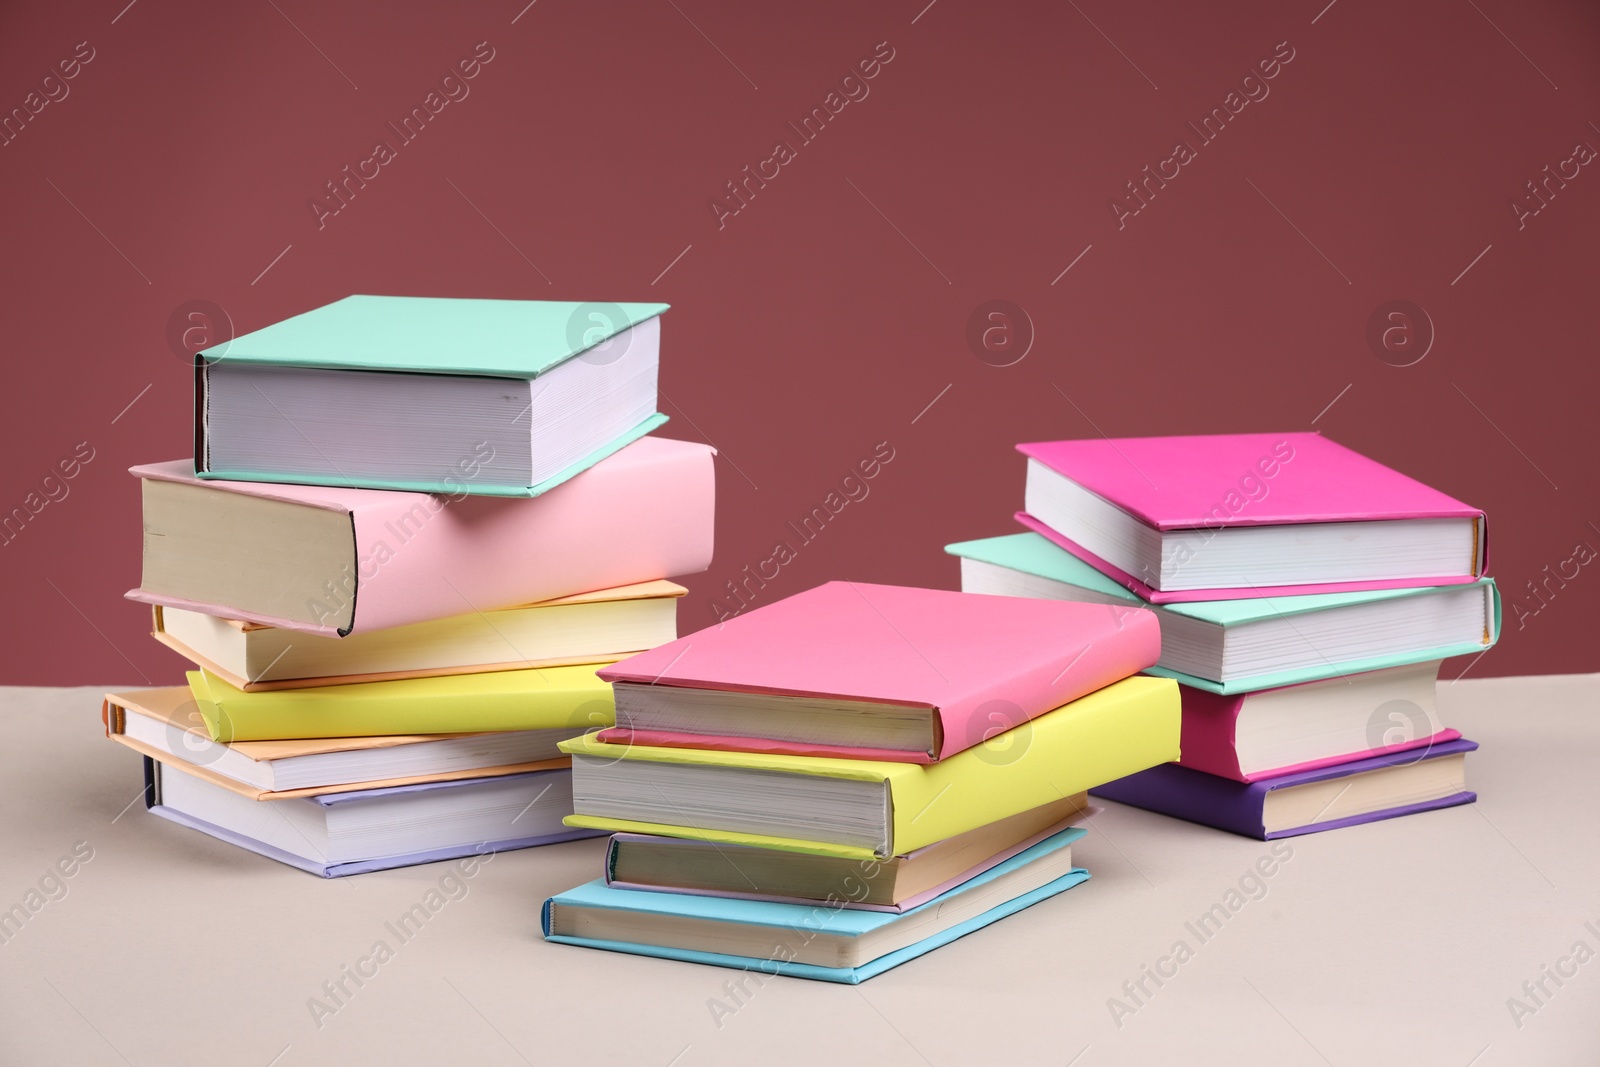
{"x": 1397, "y": 942}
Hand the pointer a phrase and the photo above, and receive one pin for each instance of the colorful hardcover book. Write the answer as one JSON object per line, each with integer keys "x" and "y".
{"x": 805, "y": 941}
{"x": 428, "y": 394}
{"x": 1273, "y": 732}
{"x": 166, "y": 725}
{"x": 1247, "y": 515}
{"x": 1242, "y": 645}
{"x": 873, "y": 808}
{"x": 335, "y": 834}
{"x": 544, "y": 698}
{"x": 875, "y": 671}
{"x": 596, "y": 627}
{"x": 1305, "y": 802}
{"x": 675, "y": 865}
{"x": 332, "y": 561}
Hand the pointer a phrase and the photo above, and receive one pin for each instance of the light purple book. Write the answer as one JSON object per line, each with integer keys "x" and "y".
{"x": 547, "y": 828}
{"x": 1240, "y": 807}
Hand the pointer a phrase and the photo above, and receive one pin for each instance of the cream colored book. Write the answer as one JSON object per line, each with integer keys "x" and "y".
{"x": 899, "y": 883}
{"x": 596, "y": 627}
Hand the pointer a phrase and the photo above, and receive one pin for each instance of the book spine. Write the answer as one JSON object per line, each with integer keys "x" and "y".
{"x": 1211, "y": 733}
{"x": 1127, "y": 641}
{"x": 1117, "y": 731}
{"x": 202, "y": 449}
{"x": 1192, "y": 796}
{"x": 611, "y": 859}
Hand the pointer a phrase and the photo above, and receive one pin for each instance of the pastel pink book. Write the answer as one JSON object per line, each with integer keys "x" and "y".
{"x": 876, "y": 671}
{"x": 333, "y": 561}
{"x": 1247, "y": 515}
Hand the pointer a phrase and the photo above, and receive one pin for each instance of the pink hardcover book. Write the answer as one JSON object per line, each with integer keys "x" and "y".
{"x": 1269, "y": 733}
{"x": 342, "y": 560}
{"x": 1185, "y": 490}
{"x": 968, "y": 665}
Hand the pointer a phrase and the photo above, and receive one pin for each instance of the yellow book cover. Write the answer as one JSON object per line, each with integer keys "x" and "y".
{"x": 1119, "y": 730}
{"x": 538, "y": 699}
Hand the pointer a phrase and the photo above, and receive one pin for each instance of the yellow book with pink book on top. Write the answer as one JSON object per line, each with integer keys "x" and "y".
{"x": 873, "y": 808}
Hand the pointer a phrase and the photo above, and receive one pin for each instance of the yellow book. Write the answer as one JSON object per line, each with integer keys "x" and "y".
{"x": 538, "y": 699}
{"x": 868, "y": 808}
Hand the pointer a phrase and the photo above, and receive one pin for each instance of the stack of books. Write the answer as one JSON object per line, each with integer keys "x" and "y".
{"x": 1305, "y": 596}
{"x": 413, "y": 531}
{"x": 840, "y": 781}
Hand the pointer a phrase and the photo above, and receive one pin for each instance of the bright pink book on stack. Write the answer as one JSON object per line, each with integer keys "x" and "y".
{"x": 333, "y": 561}
{"x": 1209, "y": 740}
{"x": 1247, "y": 515}
{"x": 876, "y": 672}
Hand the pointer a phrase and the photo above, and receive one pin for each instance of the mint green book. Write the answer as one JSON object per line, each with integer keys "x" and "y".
{"x": 429, "y": 394}
{"x": 1240, "y": 646}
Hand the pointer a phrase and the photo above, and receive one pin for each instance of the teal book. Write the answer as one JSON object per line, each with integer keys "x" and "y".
{"x": 429, "y": 394}
{"x": 830, "y": 944}
{"x": 1240, "y": 646}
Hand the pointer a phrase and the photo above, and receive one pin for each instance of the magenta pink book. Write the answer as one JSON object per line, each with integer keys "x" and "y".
{"x": 643, "y": 513}
{"x": 983, "y": 663}
{"x": 1219, "y": 480}
{"x": 1210, "y": 728}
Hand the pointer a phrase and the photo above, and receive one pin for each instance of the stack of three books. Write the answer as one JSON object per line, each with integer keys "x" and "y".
{"x": 846, "y": 779}
{"x": 390, "y": 642}
{"x": 1306, "y": 595}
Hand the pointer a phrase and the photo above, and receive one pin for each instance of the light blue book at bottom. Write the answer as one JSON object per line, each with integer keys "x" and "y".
{"x": 804, "y": 941}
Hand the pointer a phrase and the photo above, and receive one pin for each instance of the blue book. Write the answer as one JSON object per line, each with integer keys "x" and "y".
{"x": 829, "y": 944}
{"x": 1240, "y": 646}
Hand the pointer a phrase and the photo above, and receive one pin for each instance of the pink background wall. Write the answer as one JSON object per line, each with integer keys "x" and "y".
{"x": 1379, "y": 163}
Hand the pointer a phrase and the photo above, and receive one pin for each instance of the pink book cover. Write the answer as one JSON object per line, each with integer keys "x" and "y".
{"x": 644, "y": 513}
{"x": 900, "y": 908}
{"x": 1210, "y": 727}
{"x": 1257, "y": 479}
{"x": 983, "y": 663}
{"x": 626, "y": 735}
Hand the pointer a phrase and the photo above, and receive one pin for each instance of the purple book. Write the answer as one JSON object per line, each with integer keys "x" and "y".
{"x": 548, "y": 796}
{"x": 1420, "y": 780}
